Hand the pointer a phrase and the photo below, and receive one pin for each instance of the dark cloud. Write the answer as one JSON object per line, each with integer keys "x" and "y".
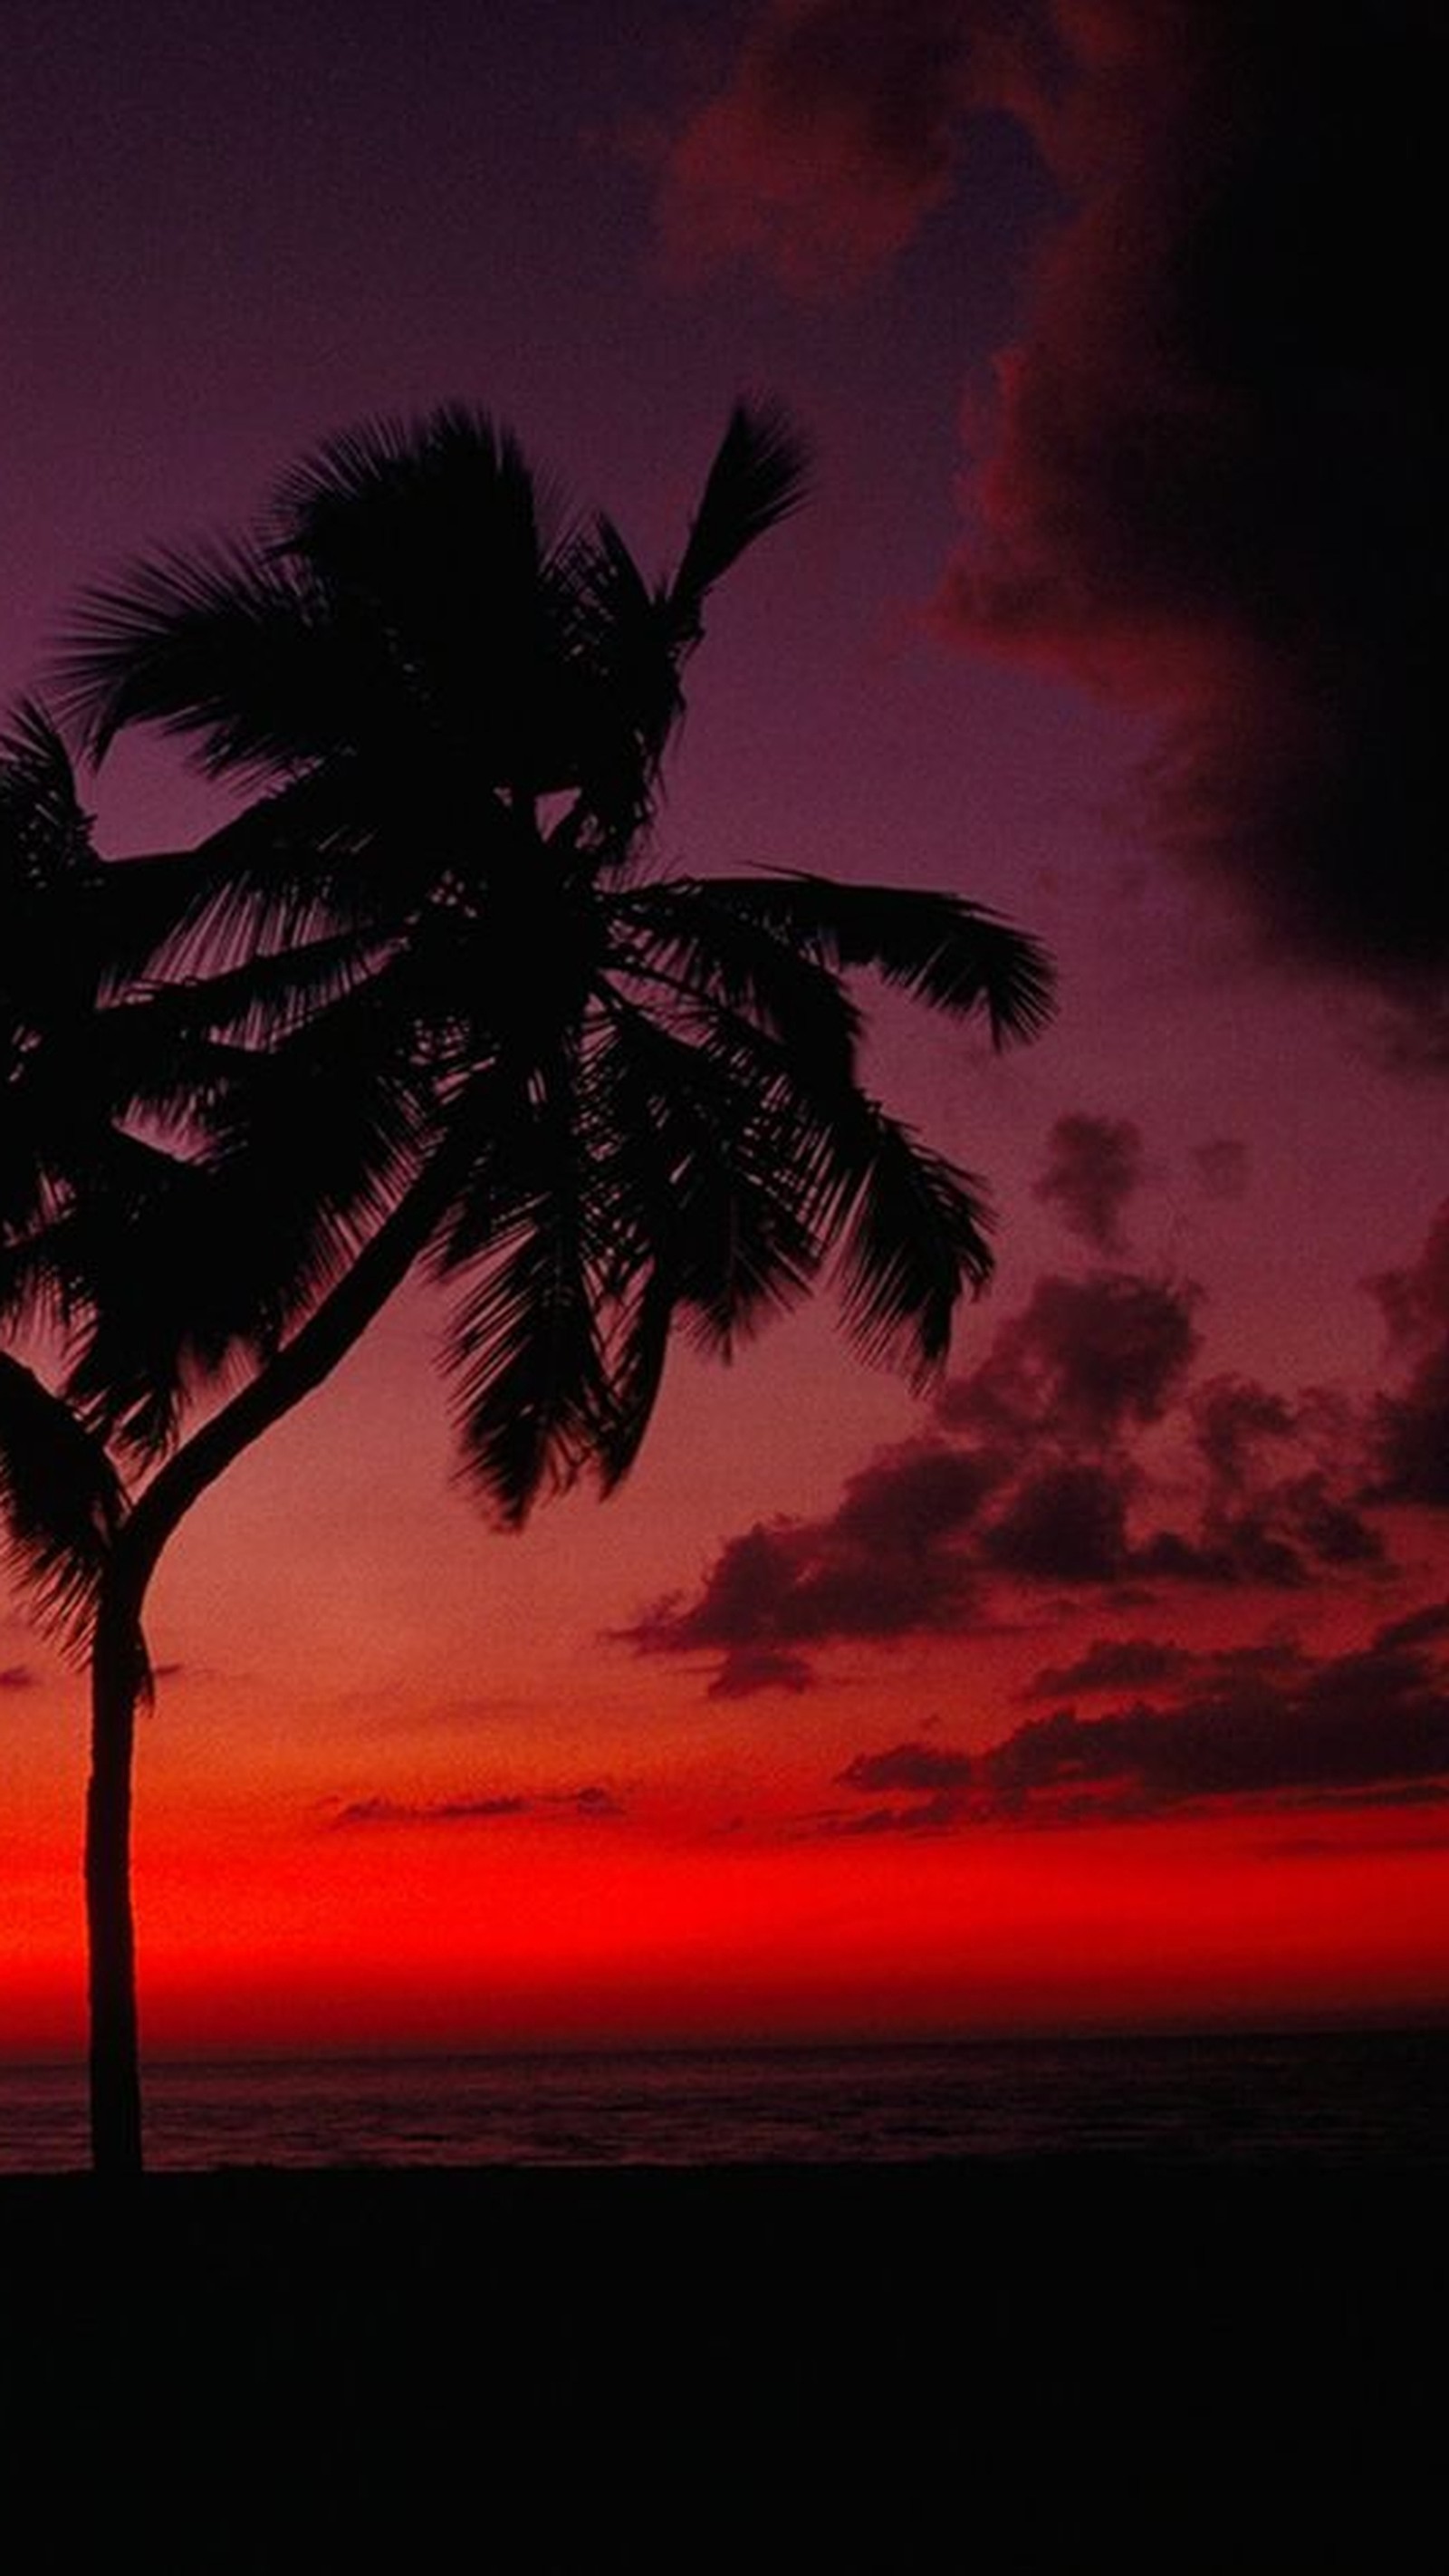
{"x": 1288, "y": 1537}
{"x": 1206, "y": 480}
{"x": 592, "y": 1800}
{"x": 831, "y": 138}
{"x": 1094, "y": 1168}
{"x": 1210, "y": 482}
{"x": 1113, "y": 1663}
{"x": 1419, "y": 1628}
{"x": 1042, "y": 1472}
{"x": 1413, "y": 1438}
{"x": 883, "y": 1564}
{"x": 1087, "y": 1360}
{"x": 747, "y": 1669}
{"x": 1066, "y": 1525}
{"x": 913, "y": 1766}
{"x": 1233, "y": 1419}
{"x": 926, "y": 1816}
{"x": 1250, "y": 1744}
{"x": 1411, "y": 1427}
{"x": 434, "y": 1811}
{"x": 1271, "y": 1723}
{"x": 1286, "y": 1528}
{"x": 1415, "y": 1299}
{"x": 1371, "y": 1720}
{"x": 18, "y": 1677}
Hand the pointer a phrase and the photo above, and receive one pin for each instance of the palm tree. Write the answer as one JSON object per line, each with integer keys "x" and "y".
{"x": 428, "y": 1001}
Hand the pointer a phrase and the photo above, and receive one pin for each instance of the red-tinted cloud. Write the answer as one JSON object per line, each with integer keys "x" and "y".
{"x": 914, "y": 1766}
{"x": 832, "y": 137}
{"x": 1113, "y": 1663}
{"x": 1094, "y": 1168}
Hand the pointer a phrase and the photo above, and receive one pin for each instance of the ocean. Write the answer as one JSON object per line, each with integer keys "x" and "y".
{"x": 1335, "y": 2099}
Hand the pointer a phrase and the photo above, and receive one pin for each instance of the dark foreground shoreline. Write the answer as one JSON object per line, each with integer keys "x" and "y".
{"x": 1076, "y": 2364}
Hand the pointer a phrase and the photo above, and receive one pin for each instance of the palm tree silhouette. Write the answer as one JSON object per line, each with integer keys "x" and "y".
{"x": 430, "y": 1001}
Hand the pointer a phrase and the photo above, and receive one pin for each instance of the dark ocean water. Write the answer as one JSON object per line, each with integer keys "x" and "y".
{"x": 1337, "y": 2099}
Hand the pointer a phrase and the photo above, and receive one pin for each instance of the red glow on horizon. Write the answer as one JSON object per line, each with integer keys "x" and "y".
{"x": 430, "y": 1945}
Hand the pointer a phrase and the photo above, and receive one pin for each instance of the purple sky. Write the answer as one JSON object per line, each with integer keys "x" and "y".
{"x": 1112, "y": 608}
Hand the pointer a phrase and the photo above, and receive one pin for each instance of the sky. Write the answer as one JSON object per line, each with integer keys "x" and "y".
{"x": 1106, "y": 1683}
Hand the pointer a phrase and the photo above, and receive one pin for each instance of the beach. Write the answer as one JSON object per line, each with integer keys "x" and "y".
{"x": 1014, "y": 2367}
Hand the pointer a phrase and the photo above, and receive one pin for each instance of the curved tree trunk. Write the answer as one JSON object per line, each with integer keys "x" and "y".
{"x": 119, "y": 1667}
{"x": 118, "y": 1679}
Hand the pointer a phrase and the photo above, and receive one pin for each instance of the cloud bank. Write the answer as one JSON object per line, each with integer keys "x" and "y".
{"x": 1259, "y": 1725}
{"x": 1204, "y": 477}
{"x": 1087, "y": 1455}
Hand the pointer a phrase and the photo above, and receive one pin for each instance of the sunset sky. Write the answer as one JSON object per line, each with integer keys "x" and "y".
{"x": 1108, "y": 1683}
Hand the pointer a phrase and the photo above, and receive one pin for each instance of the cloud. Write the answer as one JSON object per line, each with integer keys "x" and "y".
{"x": 1268, "y": 1724}
{"x": 831, "y": 138}
{"x": 1352, "y": 1722}
{"x": 747, "y": 1669}
{"x": 1207, "y": 481}
{"x": 926, "y": 1816}
{"x": 1094, "y": 1168}
{"x": 1080, "y": 1454}
{"x": 1419, "y": 1627}
{"x": 1411, "y": 1427}
{"x": 1087, "y": 1360}
{"x": 592, "y": 1800}
{"x": 427, "y": 1811}
{"x": 1066, "y": 1525}
{"x": 18, "y": 1677}
{"x": 1234, "y": 1418}
{"x": 883, "y": 1564}
{"x": 913, "y": 1766}
{"x": 1204, "y": 477}
{"x": 1113, "y": 1663}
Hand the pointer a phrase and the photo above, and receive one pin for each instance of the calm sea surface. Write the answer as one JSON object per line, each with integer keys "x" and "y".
{"x": 1329, "y": 2098}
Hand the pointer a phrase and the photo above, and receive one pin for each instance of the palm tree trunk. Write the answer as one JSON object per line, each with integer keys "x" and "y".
{"x": 119, "y": 1665}
{"x": 118, "y": 1670}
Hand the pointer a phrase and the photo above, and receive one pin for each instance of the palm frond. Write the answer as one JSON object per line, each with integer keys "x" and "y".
{"x": 439, "y": 540}
{"x": 956, "y": 956}
{"x": 51, "y": 884}
{"x": 44, "y": 831}
{"x": 760, "y": 474}
{"x": 523, "y": 1344}
{"x": 217, "y": 642}
{"x": 634, "y": 1361}
{"x": 620, "y": 696}
{"x": 717, "y": 958}
{"x": 914, "y": 1233}
{"x": 718, "y": 1119}
{"x": 387, "y": 502}
{"x": 61, "y": 1501}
